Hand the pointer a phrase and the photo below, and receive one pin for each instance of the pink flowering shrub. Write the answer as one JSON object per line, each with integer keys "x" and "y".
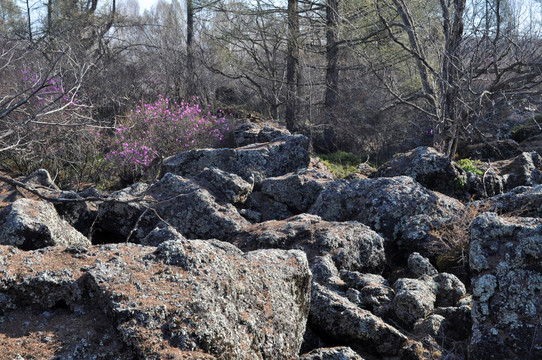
{"x": 163, "y": 128}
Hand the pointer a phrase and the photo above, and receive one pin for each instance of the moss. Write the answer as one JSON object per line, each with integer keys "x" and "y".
{"x": 470, "y": 165}
{"x": 341, "y": 163}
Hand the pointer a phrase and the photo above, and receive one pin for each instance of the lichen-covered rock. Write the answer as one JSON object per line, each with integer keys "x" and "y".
{"x": 183, "y": 300}
{"x": 431, "y": 169}
{"x": 414, "y": 299}
{"x": 161, "y": 233}
{"x": 192, "y": 210}
{"x": 79, "y": 214}
{"x": 520, "y": 201}
{"x": 251, "y": 133}
{"x": 252, "y": 162}
{"x": 420, "y": 233}
{"x": 449, "y": 289}
{"x": 384, "y": 204}
{"x": 419, "y": 265}
{"x": 506, "y": 259}
{"x": 353, "y": 246}
{"x": 30, "y": 224}
{"x": 431, "y": 325}
{"x": 41, "y": 178}
{"x": 260, "y": 207}
{"x": 229, "y": 186}
{"x": 207, "y": 296}
{"x": 523, "y": 170}
{"x": 325, "y": 272}
{"x": 335, "y": 353}
{"x": 352, "y": 326}
{"x": 492, "y": 150}
{"x": 370, "y": 291}
{"x": 297, "y": 190}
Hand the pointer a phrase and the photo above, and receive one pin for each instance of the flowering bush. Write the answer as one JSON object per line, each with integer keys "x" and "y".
{"x": 163, "y": 128}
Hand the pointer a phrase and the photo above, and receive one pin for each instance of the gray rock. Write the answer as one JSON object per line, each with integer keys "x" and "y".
{"x": 339, "y": 319}
{"x": 450, "y": 290}
{"x": 79, "y": 214}
{"x": 420, "y": 233}
{"x": 419, "y": 265}
{"x": 427, "y": 166}
{"x": 298, "y": 190}
{"x": 431, "y": 325}
{"x": 160, "y": 234}
{"x": 414, "y": 300}
{"x": 325, "y": 272}
{"x": 520, "y": 201}
{"x": 384, "y": 204}
{"x": 252, "y": 162}
{"x": 251, "y": 133}
{"x": 207, "y": 296}
{"x": 335, "y": 353}
{"x": 229, "y": 186}
{"x": 260, "y": 207}
{"x": 506, "y": 259}
{"x": 353, "y": 246}
{"x": 371, "y": 291}
{"x": 30, "y": 224}
{"x": 192, "y": 210}
{"x": 41, "y": 178}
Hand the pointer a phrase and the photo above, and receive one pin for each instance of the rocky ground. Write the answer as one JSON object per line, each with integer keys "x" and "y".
{"x": 258, "y": 252}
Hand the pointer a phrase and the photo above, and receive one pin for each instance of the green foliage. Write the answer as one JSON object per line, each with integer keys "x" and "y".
{"x": 470, "y": 165}
{"x": 341, "y": 163}
{"x": 460, "y": 182}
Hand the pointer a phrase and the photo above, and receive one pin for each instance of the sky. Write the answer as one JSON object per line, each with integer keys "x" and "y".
{"x": 146, "y": 4}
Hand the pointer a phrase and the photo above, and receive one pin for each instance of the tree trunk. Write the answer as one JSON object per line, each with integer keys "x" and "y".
{"x": 332, "y": 72}
{"x": 190, "y": 82}
{"x": 292, "y": 67}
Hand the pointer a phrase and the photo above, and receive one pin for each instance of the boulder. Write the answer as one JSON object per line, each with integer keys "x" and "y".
{"x": 41, "y": 179}
{"x": 252, "y": 162}
{"x": 351, "y": 325}
{"x": 251, "y": 133}
{"x": 414, "y": 299}
{"x": 335, "y": 353}
{"x": 297, "y": 190}
{"x": 260, "y": 207}
{"x": 427, "y": 166}
{"x": 505, "y": 257}
{"x": 79, "y": 214}
{"x": 353, "y": 246}
{"x": 521, "y": 201}
{"x": 523, "y": 170}
{"x": 384, "y": 204}
{"x": 184, "y": 299}
{"x": 324, "y": 272}
{"x": 419, "y": 265}
{"x": 421, "y": 234}
{"x": 30, "y": 224}
{"x": 232, "y": 188}
{"x": 369, "y": 291}
{"x": 182, "y": 203}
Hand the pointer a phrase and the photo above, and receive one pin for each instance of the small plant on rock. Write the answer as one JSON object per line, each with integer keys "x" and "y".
{"x": 470, "y": 165}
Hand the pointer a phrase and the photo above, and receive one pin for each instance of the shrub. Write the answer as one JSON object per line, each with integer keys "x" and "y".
{"x": 154, "y": 131}
{"x": 470, "y": 165}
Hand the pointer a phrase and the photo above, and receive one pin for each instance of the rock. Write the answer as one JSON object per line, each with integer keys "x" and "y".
{"x": 384, "y": 204}
{"x": 324, "y": 272}
{"x": 252, "y": 162}
{"x": 80, "y": 214}
{"x": 335, "y": 353}
{"x": 231, "y": 187}
{"x": 208, "y": 296}
{"x": 458, "y": 321}
{"x": 353, "y": 246}
{"x": 370, "y": 291}
{"x": 523, "y": 170}
{"x": 352, "y": 326}
{"x": 419, "y": 265}
{"x": 506, "y": 260}
{"x": 30, "y": 224}
{"x": 420, "y": 233}
{"x": 431, "y": 325}
{"x": 41, "y": 178}
{"x": 119, "y": 214}
{"x": 251, "y": 133}
{"x": 525, "y": 132}
{"x": 427, "y": 166}
{"x": 414, "y": 300}
{"x": 450, "y": 290}
{"x": 161, "y": 233}
{"x": 493, "y": 150}
{"x": 521, "y": 201}
{"x": 297, "y": 190}
{"x": 184, "y": 299}
{"x": 260, "y": 207}
{"x": 192, "y": 210}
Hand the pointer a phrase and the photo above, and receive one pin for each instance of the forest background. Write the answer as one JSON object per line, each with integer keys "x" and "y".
{"x": 94, "y": 89}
